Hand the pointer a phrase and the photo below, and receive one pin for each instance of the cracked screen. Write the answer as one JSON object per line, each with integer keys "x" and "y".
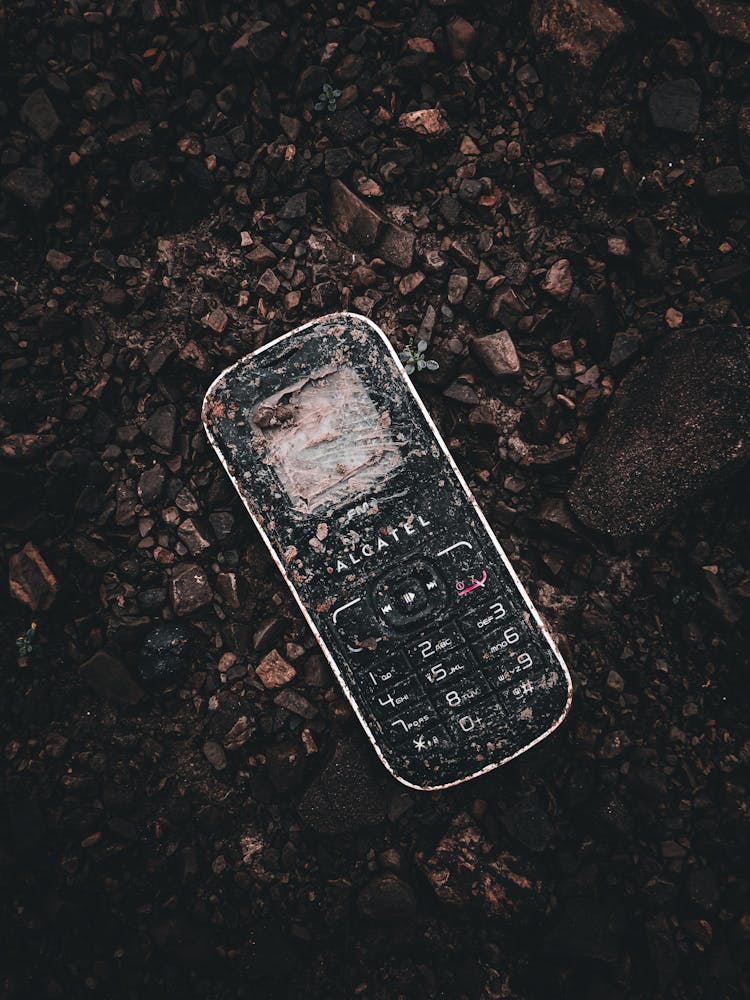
{"x": 326, "y": 439}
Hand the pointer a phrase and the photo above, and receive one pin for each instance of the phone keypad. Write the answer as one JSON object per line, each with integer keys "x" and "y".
{"x": 469, "y": 675}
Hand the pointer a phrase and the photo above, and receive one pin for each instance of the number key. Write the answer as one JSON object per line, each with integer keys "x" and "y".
{"x": 434, "y": 645}
{"x": 482, "y": 721}
{"x": 395, "y": 700}
{"x": 446, "y": 669}
{"x": 457, "y": 697}
{"x": 484, "y": 619}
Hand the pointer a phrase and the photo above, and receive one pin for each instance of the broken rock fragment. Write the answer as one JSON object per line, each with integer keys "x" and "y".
{"x": 358, "y": 224}
{"x": 30, "y": 578}
{"x": 497, "y": 353}
{"x": 466, "y": 868}
{"x": 679, "y": 422}
{"x": 558, "y": 281}
{"x": 39, "y": 114}
{"x": 108, "y": 676}
{"x": 582, "y": 30}
{"x": 274, "y": 671}
{"x": 190, "y": 589}
{"x": 429, "y": 123}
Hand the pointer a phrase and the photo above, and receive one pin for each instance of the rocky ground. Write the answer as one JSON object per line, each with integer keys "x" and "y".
{"x": 554, "y": 197}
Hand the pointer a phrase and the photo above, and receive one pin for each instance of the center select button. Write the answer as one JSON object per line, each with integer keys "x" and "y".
{"x": 409, "y": 594}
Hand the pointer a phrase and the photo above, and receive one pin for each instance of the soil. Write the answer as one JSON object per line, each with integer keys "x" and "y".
{"x": 190, "y": 807}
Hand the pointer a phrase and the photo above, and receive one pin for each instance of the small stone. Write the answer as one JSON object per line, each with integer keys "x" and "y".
{"x": 217, "y": 320}
{"x": 274, "y": 671}
{"x": 337, "y": 160}
{"x": 151, "y": 483}
{"x": 676, "y": 105}
{"x": 295, "y": 207}
{"x": 190, "y": 589}
{"x": 363, "y": 277}
{"x": 294, "y": 702}
{"x": 673, "y": 318}
{"x": 58, "y": 261}
{"x": 99, "y": 97}
{"x": 132, "y": 142}
{"x": 160, "y": 426}
{"x": 497, "y": 353}
{"x": 358, "y": 224}
{"x": 38, "y": 113}
{"x": 457, "y": 286}
{"x": 30, "y": 578}
{"x": 615, "y": 683}
{"x": 410, "y": 282}
{"x": 469, "y": 190}
{"x": 30, "y": 187}
{"x": 108, "y": 676}
{"x": 387, "y": 899}
{"x": 117, "y": 301}
{"x": 348, "y": 125}
{"x": 461, "y": 36}
{"x": 563, "y": 350}
{"x": 147, "y": 176}
{"x": 558, "y": 281}
{"x": 215, "y": 755}
{"x": 430, "y": 123}
{"x": 396, "y": 246}
{"x": 724, "y": 182}
{"x": 193, "y": 534}
{"x": 269, "y": 282}
{"x": 166, "y": 655}
{"x": 617, "y": 246}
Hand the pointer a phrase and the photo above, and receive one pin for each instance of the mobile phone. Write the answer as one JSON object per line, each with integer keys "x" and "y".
{"x": 426, "y": 626}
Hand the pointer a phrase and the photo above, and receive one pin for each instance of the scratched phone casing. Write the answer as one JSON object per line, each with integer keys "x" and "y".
{"x": 444, "y": 659}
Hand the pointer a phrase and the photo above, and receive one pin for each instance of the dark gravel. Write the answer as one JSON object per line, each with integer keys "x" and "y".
{"x": 194, "y": 812}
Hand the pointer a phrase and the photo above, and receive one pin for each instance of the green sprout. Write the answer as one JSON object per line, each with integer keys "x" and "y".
{"x": 25, "y": 642}
{"x": 414, "y": 360}
{"x": 327, "y": 99}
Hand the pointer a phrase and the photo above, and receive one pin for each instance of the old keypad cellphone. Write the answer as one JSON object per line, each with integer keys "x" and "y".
{"x": 415, "y": 605}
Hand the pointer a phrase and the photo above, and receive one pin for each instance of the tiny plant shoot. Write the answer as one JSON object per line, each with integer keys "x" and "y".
{"x": 327, "y": 99}
{"x": 414, "y": 359}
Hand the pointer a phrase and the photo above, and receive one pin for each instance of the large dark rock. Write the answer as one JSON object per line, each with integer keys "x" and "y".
{"x": 676, "y": 105}
{"x": 28, "y": 186}
{"x": 679, "y": 421}
{"x": 345, "y": 796}
{"x": 108, "y": 676}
